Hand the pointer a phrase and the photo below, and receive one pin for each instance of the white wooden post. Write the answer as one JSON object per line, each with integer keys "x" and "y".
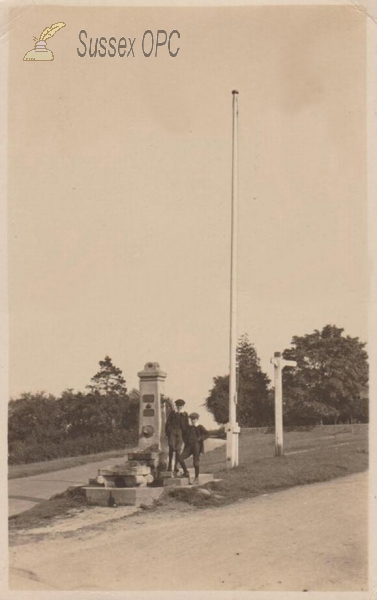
{"x": 232, "y": 429}
{"x": 279, "y": 364}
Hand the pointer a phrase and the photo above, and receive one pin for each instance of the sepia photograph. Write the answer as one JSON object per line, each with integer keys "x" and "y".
{"x": 187, "y": 269}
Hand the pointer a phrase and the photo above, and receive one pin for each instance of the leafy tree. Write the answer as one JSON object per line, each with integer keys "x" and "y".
{"x": 327, "y": 385}
{"x": 108, "y": 380}
{"x": 32, "y": 416}
{"x": 217, "y": 403}
{"x": 101, "y": 410}
{"x": 255, "y": 406}
{"x": 41, "y": 427}
{"x": 92, "y": 414}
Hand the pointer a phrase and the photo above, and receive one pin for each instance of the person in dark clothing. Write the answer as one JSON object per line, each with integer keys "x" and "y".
{"x": 175, "y": 430}
{"x": 194, "y": 444}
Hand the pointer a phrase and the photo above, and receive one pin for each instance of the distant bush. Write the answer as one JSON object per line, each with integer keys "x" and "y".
{"x": 27, "y": 452}
{"x": 42, "y": 427}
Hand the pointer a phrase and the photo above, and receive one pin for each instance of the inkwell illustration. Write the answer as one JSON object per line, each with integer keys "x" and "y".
{"x": 41, "y": 52}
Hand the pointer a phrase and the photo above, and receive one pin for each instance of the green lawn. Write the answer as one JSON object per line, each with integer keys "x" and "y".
{"x": 310, "y": 457}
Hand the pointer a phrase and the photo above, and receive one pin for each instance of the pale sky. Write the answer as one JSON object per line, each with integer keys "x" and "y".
{"x": 119, "y": 191}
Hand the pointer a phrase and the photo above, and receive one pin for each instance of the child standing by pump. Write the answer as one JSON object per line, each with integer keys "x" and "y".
{"x": 194, "y": 444}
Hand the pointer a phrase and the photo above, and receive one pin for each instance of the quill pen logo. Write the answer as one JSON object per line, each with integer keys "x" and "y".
{"x": 41, "y": 52}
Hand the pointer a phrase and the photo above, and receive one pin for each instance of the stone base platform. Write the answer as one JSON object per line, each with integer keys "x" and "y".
{"x": 175, "y": 481}
{"x": 169, "y": 481}
{"x": 101, "y": 496}
{"x": 203, "y": 477}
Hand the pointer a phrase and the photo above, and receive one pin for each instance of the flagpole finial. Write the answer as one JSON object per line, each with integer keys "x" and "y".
{"x": 235, "y": 92}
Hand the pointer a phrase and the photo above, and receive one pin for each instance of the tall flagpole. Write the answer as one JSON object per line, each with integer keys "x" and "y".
{"x": 232, "y": 427}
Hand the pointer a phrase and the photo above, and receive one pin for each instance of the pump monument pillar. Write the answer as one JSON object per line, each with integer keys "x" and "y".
{"x": 152, "y": 408}
{"x": 141, "y": 478}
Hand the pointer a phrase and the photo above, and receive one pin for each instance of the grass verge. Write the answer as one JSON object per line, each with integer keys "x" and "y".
{"x": 317, "y": 459}
{"x": 258, "y": 475}
{"x": 45, "y": 512}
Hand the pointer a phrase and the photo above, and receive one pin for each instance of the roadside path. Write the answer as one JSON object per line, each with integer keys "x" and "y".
{"x": 311, "y": 538}
{"x": 26, "y": 492}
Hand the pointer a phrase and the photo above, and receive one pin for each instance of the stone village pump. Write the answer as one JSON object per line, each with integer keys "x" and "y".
{"x": 142, "y": 477}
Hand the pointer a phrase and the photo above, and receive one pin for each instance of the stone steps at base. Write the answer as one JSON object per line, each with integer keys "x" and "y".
{"x": 175, "y": 481}
{"x": 101, "y": 496}
{"x": 203, "y": 477}
{"x": 183, "y": 481}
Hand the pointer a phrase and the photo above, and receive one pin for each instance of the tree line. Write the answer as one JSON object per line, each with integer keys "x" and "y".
{"x": 42, "y": 426}
{"x": 328, "y": 386}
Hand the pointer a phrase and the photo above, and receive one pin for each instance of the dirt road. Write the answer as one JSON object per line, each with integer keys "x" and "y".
{"x": 312, "y": 538}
